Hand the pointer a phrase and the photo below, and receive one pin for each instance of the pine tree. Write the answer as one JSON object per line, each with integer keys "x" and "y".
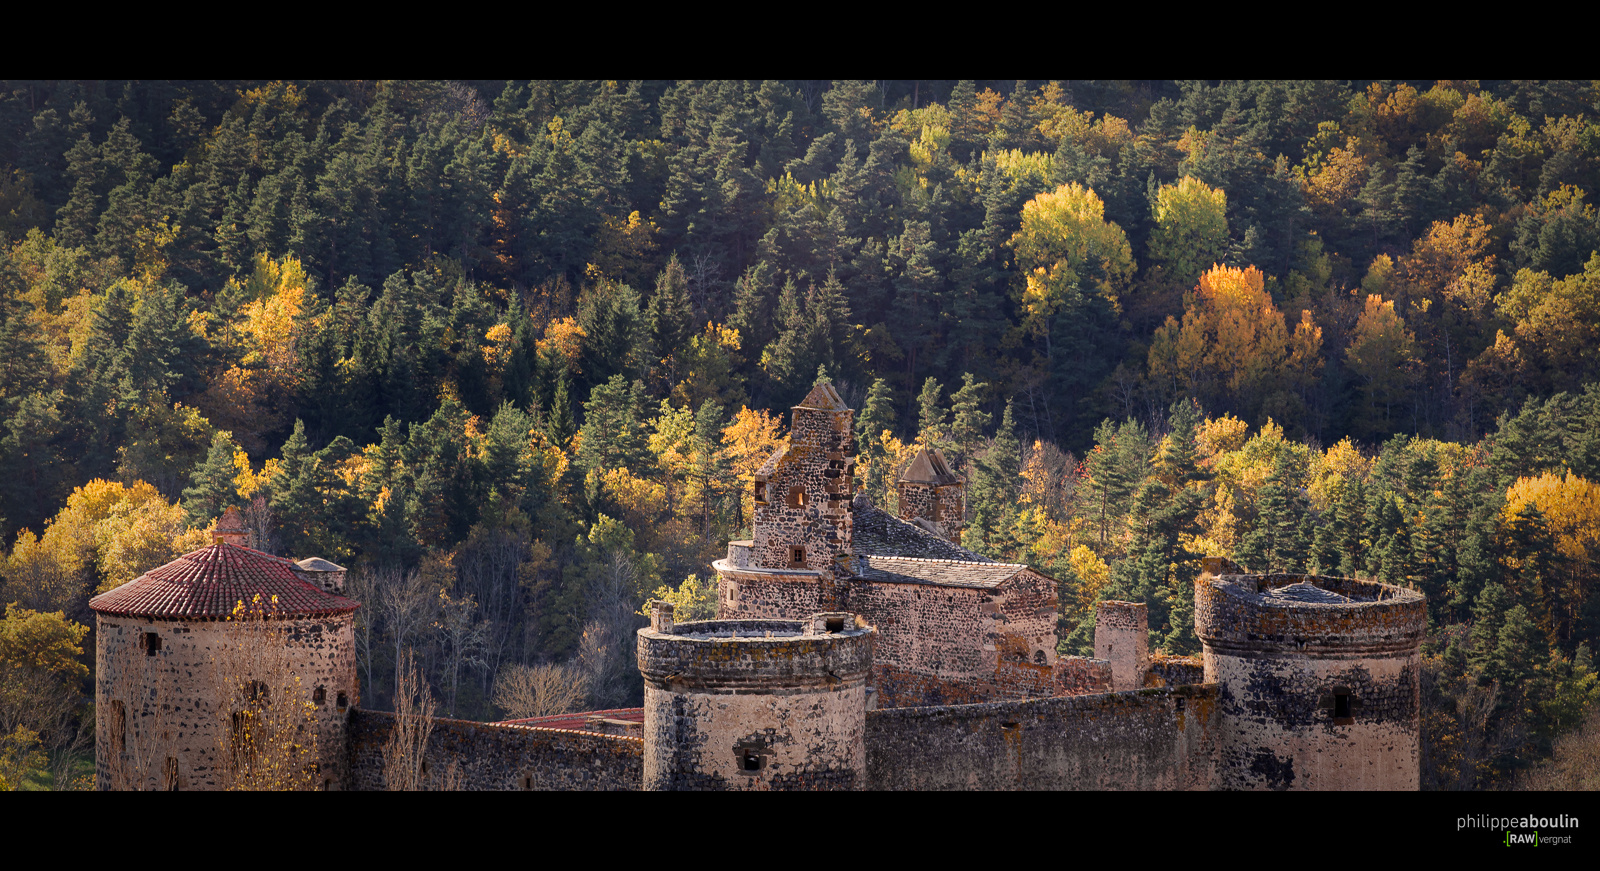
{"x": 877, "y": 416}
{"x": 932, "y": 421}
{"x": 970, "y": 421}
{"x": 211, "y": 489}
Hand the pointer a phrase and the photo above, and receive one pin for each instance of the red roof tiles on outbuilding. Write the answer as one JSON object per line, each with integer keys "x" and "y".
{"x": 207, "y": 584}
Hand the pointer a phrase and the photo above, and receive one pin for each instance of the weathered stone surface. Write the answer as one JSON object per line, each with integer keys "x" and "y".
{"x": 497, "y": 756}
{"x": 756, "y": 704}
{"x": 1318, "y": 680}
{"x": 1150, "y": 739}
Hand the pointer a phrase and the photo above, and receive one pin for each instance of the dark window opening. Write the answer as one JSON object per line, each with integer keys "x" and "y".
{"x": 797, "y": 557}
{"x": 751, "y": 761}
{"x": 320, "y": 695}
{"x": 527, "y": 781}
{"x": 1341, "y": 706}
{"x": 119, "y": 725}
{"x": 343, "y": 702}
{"x": 835, "y": 624}
{"x": 797, "y": 497}
{"x": 1038, "y": 657}
{"x": 151, "y": 643}
{"x": 1180, "y": 703}
{"x": 761, "y": 491}
{"x": 1010, "y": 725}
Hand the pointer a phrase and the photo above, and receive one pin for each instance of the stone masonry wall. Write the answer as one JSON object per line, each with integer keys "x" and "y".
{"x": 1156, "y": 739}
{"x": 1175, "y": 671}
{"x": 820, "y": 460}
{"x": 754, "y": 704}
{"x": 1081, "y": 675}
{"x": 1121, "y": 635}
{"x": 959, "y": 645}
{"x": 487, "y": 756}
{"x": 943, "y": 507}
{"x": 1318, "y": 680}
{"x": 173, "y": 703}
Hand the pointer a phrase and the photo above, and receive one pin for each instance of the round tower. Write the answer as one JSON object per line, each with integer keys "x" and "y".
{"x": 755, "y": 704}
{"x": 1318, "y": 677}
{"x": 222, "y": 668}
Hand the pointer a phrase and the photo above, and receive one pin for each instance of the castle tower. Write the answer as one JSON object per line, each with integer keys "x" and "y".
{"x": 210, "y": 662}
{"x": 1122, "y": 637}
{"x": 932, "y": 496}
{"x": 1319, "y": 679}
{"x": 755, "y": 704}
{"x": 803, "y": 491}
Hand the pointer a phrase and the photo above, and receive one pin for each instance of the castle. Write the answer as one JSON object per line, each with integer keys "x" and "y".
{"x": 854, "y": 650}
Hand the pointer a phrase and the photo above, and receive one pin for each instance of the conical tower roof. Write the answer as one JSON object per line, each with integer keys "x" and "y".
{"x": 929, "y": 467}
{"x": 824, "y": 398}
{"x": 207, "y": 584}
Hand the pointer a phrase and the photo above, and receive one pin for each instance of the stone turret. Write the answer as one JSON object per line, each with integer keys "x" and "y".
{"x": 176, "y": 646}
{"x": 803, "y": 492}
{"x": 755, "y": 704}
{"x": 932, "y": 496}
{"x": 1319, "y": 679}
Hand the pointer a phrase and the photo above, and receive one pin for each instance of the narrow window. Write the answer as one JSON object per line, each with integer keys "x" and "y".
{"x": 119, "y": 726}
{"x": 343, "y": 702}
{"x": 797, "y": 497}
{"x": 527, "y": 781}
{"x": 797, "y": 557}
{"x": 320, "y": 695}
{"x": 1341, "y": 706}
{"x": 761, "y": 492}
{"x": 151, "y": 643}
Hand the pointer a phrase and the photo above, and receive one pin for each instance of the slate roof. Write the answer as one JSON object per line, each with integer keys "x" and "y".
{"x": 824, "y": 398}
{"x": 208, "y": 583}
{"x": 929, "y": 467}
{"x": 938, "y": 572}
{"x": 875, "y": 532}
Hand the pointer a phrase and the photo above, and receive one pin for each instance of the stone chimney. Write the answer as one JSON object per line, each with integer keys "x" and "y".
{"x": 230, "y": 529}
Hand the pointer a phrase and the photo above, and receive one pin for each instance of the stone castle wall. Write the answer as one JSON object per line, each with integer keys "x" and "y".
{"x": 176, "y": 703}
{"x": 490, "y": 756}
{"x": 1157, "y": 739}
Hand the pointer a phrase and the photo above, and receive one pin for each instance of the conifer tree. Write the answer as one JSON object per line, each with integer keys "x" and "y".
{"x": 877, "y": 416}
{"x": 211, "y": 489}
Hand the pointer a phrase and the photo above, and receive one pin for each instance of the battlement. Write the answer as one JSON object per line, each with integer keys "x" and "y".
{"x": 1302, "y": 615}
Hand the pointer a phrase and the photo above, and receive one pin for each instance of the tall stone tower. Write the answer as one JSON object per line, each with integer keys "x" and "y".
{"x": 1319, "y": 680}
{"x": 755, "y": 704}
{"x": 932, "y": 496}
{"x": 803, "y": 492}
{"x": 197, "y": 656}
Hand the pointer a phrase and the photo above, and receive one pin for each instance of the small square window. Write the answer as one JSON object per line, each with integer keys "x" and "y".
{"x": 151, "y": 643}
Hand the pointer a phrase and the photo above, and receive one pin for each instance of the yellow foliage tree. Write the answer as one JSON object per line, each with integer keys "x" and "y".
{"x": 1191, "y": 228}
{"x": 1066, "y": 249}
{"x": 1381, "y": 353}
{"x": 747, "y": 442}
{"x": 107, "y": 534}
{"x": 1233, "y": 347}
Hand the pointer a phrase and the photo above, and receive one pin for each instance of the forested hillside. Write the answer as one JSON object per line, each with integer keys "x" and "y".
{"x": 511, "y": 352}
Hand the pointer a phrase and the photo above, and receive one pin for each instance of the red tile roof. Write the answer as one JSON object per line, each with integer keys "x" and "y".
{"x": 209, "y": 583}
{"x": 578, "y": 721}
